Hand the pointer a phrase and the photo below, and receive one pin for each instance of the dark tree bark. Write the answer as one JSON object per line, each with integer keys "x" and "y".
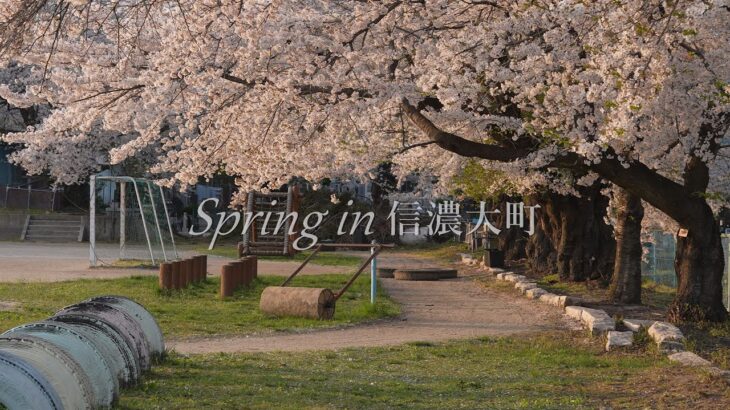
{"x": 626, "y": 279}
{"x": 572, "y": 238}
{"x": 699, "y": 266}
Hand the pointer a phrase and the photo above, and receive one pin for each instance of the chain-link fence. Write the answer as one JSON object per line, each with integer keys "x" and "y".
{"x": 658, "y": 262}
{"x": 27, "y": 198}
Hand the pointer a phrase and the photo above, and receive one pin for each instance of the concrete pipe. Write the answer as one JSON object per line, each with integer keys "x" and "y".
{"x": 62, "y": 372}
{"x": 151, "y": 328}
{"x": 82, "y": 350}
{"x": 122, "y": 321}
{"x": 23, "y": 387}
{"x": 313, "y": 303}
{"x": 124, "y": 359}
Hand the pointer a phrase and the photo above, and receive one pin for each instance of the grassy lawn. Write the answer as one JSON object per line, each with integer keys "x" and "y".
{"x": 198, "y": 309}
{"x": 322, "y": 258}
{"x": 540, "y": 372}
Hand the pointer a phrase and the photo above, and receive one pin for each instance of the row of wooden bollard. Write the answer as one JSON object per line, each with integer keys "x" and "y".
{"x": 238, "y": 274}
{"x": 181, "y": 274}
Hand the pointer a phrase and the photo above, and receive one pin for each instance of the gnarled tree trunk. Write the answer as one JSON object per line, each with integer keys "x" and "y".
{"x": 572, "y": 238}
{"x": 699, "y": 266}
{"x": 626, "y": 280}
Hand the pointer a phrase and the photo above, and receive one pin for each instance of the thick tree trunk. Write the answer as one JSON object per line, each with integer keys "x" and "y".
{"x": 572, "y": 238}
{"x": 626, "y": 280}
{"x": 699, "y": 266}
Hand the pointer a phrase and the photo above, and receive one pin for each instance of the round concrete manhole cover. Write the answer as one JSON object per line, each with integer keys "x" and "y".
{"x": 424, "y": 274}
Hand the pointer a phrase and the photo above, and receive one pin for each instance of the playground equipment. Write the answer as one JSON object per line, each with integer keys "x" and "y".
{"x": 238, "y": 274}
{"x": 275, "y": 243}
{"x": 315, "y": 303}
{"x": 143, "y": 228}
{"x": 181, "y": 274}
{"x": 80, "y": 357}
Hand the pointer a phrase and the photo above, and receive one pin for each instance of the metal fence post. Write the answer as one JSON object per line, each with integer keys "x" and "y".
{"x": 92, "y": 220}
{"x": 373, "y": 278}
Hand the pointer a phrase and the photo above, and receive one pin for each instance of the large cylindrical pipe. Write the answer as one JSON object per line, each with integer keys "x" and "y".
{"x": 313, "y": 303}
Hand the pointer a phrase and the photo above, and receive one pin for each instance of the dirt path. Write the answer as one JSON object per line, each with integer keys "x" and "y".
{"x": 432, "y": 311}
{"x": 49, "y": 262}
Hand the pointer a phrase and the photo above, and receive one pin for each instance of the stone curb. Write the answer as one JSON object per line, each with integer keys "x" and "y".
{"x": 616, "y": 339}
{"x": 668, "y": 337}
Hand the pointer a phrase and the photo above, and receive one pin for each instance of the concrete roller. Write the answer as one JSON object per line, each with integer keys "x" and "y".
{"x": 82, "y": 350}
{"x": 23, "y": 387}
{"x": 148, "y": 323}
{"x": 114, "y": 339}
{"x": 313, "y": 303}
{"x": 60, "y": 370}
{"x": 122, "y": 321}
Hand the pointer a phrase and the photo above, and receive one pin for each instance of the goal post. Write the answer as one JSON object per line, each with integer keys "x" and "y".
{"x": 136, "y": 216}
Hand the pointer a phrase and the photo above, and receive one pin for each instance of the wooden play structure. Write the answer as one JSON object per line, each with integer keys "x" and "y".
{"x": 254, "y": 243}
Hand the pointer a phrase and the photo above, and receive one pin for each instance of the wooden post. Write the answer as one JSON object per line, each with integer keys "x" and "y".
{"x": 204, "y": 267}
{"x": 176, "y": 274}
{"x": 239, "y": 273}
{"x": 255, "y": 265}
{"x": 196, "y": 269}
{"x": 247, "y": 271}
{"x": 166, "y": 275}
{"x": 187, "y": 272}
{"x": 228, "y": 274}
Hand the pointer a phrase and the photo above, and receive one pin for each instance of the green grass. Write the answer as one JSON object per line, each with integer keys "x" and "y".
{"x": 322, "y": 258}
{"x": 652, "y": 293}
{"x": 541, "y": 372}
{"x": 198, "y": 309}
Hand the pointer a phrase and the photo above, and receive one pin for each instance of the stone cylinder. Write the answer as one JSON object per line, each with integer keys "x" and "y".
{"x": 313, "y": 303}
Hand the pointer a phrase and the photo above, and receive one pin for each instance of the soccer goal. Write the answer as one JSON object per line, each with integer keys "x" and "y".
{"x": 128, "y": 222}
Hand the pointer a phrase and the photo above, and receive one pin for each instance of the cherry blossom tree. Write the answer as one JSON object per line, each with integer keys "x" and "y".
{"x": 632, "y": 92}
